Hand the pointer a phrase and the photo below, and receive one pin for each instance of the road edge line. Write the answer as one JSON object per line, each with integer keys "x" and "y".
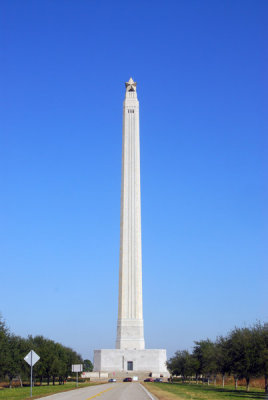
{"x": 147, "y": 392}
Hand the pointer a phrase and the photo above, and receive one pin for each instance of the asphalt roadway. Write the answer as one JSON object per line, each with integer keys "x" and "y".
{"x": 108, "y": 391}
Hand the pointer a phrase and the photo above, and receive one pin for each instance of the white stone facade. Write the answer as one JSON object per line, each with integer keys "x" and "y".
{"x": 117, "y": 360}
{"x": 130, "y": 353}
{"x": 130, "y": 332}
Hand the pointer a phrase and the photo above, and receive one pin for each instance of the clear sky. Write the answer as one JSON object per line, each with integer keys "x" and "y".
{"x": 201, "y": 72}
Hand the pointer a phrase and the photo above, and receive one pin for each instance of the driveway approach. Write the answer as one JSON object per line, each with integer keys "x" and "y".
{"x": 109, "y": 391}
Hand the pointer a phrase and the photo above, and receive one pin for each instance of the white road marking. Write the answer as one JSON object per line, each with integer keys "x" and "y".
{"x": 147, "y": 392}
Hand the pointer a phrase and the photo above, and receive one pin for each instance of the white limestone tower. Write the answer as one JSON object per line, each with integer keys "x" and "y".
{"x": 130, "y": 355}
{"x": 130, "y": 333}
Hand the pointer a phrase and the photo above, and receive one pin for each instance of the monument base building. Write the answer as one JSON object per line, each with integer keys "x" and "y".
{"x": 120, "y": 362}
{"x": 130, "y": 356}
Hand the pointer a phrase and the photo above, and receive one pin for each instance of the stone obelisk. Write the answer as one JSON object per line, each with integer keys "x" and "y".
{"x": 130, "y": 355}
{"x": 130, "y": 334}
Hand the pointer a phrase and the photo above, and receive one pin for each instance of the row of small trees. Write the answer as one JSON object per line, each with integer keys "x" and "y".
{"x": 243, "y": 354}
{"x": 55, "y": 359}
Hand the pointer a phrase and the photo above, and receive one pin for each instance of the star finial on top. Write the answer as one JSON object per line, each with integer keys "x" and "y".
{"x": 131, "y": 85}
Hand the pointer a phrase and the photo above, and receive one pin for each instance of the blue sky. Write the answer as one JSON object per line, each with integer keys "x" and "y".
{"x": 201, "y": 69}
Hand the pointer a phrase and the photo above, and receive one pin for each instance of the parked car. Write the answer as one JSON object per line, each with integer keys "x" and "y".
{"x": 127, "y": 379}
{"x": 148, "y": 380}
{"x": 112, "y": 380}
{"x": 158, "y": 380}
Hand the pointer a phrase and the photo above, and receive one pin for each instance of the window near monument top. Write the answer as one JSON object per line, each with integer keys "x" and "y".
{"x": 130, "y": 365}
{"x": 130, "y": 111}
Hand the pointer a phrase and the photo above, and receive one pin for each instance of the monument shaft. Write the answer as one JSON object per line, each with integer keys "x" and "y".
{"x": 130, "y": 355}
{"x": 130, "y": 332}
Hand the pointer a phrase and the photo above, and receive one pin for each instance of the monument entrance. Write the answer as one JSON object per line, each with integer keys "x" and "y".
{"x": 130, "y": 365}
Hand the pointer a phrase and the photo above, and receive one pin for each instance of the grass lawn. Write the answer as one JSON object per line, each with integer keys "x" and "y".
{"x": 169, "y": 391}
{"x": 38, "y": 391}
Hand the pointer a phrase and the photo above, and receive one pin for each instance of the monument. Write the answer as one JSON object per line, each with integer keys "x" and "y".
{"x": 130, "y": 354}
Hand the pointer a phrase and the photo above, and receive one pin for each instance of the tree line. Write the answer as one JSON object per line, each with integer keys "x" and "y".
{"x": 54, "y": 364}
{"x": 243, "y": 354}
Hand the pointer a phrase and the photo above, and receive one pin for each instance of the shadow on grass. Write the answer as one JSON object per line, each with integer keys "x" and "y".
{"x": 240, "y": 393}
{"x": 257, "y": 394}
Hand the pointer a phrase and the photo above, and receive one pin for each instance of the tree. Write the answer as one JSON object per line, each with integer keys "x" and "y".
{"x": 223, "y": 361}
{"x": 55, "y": 359}
{"x": 15, "y": 364}
{"x": 242, "y": 353}
{"x": 194, "y": 365}
{"x": 56, "y": 368}
{"x": 264, "y": 356}
{"x": 72, "y": 358}
{"x": 262, "y": 333}
{"x": 46, "y": 350}
{"x": 4, "y": 347}
{"x": 205, "y": 352}
{"x": 183, "y": 363}
{"x": 176, "y": 363}
{"x": 87, "y": 366}
{"x": 38, "y": 344}
{"x": 245, "y": 353}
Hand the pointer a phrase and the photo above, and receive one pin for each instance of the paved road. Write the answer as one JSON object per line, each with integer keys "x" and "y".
{"x": 108, "y": 391}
